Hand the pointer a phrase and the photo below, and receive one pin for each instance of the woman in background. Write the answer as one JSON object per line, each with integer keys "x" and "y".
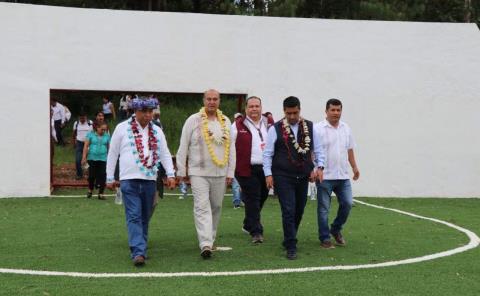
{"x": 108, "y": 110}
{"x": 95, "y": 153}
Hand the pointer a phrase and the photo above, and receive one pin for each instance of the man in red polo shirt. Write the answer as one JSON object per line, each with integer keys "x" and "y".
{"x": 249, "y": 134}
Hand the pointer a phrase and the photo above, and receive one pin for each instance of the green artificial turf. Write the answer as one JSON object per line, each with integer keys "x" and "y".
{"x": 76, "y": 234}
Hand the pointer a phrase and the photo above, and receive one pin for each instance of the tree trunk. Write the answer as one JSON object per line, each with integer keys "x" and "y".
{"x": 467, "y": 8}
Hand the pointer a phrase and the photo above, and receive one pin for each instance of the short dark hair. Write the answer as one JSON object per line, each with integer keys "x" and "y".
{"x": 252, "y": 97}
{"x": 291, "y": 102}
{"x": 333, "y": 102}
{"x": 82, "y": 113}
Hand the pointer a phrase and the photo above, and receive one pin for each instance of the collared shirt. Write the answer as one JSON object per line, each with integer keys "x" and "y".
{"x": 120, "y": 145}
{"x": 82, "y": 129}
{"x": 259, "y": 138}
{"x": 58, "y": 112}
{"x": 194, "y": 150}
{"x": 270, "y": 149}
{"x": 336, "y": 143}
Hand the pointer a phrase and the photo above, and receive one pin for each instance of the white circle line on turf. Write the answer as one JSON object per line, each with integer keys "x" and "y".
{"x": 473, "y": 243}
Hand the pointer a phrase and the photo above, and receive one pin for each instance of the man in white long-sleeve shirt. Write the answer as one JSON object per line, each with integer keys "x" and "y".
{"x": 59, "y": 119}
{"x": 205, "y": 142}
{"x": 140, "y": 145}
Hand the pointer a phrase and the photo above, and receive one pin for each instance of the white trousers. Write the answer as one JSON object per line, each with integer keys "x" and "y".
{"x": 208, "y": 193}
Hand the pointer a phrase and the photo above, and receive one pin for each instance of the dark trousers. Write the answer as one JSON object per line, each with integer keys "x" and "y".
{"x": 97, "y": 175}
{"x": 160, "y": 186}
{"x": 57, "y": 124}
{"x": 78, "y": 158}
{"x": 254, "y": 194}
{"x": 292, "y": 194}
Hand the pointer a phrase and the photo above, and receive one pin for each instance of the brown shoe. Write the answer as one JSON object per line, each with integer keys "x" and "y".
{"x": 206, "y": 252}
{"x": 257, "y": 239}
{"x": 101, "y": 197}
{"x": 339, "y": 240}
{"x": 326, "y": 244}
{"x": 139, "y": 261}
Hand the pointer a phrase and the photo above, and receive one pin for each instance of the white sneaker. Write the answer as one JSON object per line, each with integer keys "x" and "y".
{"x": 181, "y": 197}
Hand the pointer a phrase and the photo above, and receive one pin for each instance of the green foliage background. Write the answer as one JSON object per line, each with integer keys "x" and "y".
{"x": 175, "y": 109}
{"x": 394, "y": 10}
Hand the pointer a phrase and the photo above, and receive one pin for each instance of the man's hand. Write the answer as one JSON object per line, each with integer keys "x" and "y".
{"x": 313, "y": 176}
{"x": 171, "y": 183}
{"x": 269, "y": 181}
{"x": 182, "y": 179}
{"x": 356, "y": 173}
{"x": 229, "y": 181}
{"x": 111, "y": 186}
{"x": 84, "y": 160}
{"x": 320, "y": 175}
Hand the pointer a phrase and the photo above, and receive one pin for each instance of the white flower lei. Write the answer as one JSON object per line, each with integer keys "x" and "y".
{"x": 291, "y": 136}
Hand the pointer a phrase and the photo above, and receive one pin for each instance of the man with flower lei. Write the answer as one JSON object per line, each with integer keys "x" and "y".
{"x": 288, "y": 165}
{"x": 205, "y": 144}
{"x": 141, "y": 147}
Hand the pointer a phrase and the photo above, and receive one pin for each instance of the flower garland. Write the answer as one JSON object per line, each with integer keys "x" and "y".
{"x": 302, "y": 147}
{"x": 210, "y": 138}
{"x": 137, "y": 148}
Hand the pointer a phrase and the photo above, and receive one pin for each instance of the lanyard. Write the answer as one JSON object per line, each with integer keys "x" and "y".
{"x": 258, "y": 129}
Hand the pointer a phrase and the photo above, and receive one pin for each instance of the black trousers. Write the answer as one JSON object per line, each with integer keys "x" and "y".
{"x": 254, "y": 194}
{"x": 57, "y": 124}
{"x": 97, "y": 175}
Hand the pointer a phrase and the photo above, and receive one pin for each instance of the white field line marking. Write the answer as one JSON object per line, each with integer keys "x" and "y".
{"x": 474, "y": 242}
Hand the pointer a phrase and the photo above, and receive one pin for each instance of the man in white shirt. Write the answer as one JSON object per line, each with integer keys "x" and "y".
{"x": 249, "y": 134}
{"x": 338, "y": 145}
{"x": 80, "y": 129}
{"x": 59, "y": 119}
{"x": 141, "y": 145}
{"x": 205, "y": 144}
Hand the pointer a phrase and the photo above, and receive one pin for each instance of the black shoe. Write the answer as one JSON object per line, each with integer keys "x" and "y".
{"x": 139, "y": 261}
{"x": 89, "y": 195}
{"x": 257, "y": 239}
{"x": 291, "y": 255}
{"x": 206, "y": 252}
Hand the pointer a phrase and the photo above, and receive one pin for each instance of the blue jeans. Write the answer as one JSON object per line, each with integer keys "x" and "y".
{"x": 236, "y": 195}
{"x": 78, "y": 158}
{"x": 292, "y": 194}
{"x": 183, "y": 188}
{"x": 138, "y": 198}
{"x": 343, "y": 191}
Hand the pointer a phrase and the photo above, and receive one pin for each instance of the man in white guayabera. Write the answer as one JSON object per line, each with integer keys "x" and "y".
{"x": 141, "y": 146}
{"x": 338, "y": 145}
{"x": 205, "y": 144}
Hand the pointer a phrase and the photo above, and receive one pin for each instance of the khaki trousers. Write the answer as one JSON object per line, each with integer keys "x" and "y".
{"x": 208, "y": 193}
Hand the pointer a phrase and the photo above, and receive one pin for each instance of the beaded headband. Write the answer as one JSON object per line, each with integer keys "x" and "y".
{"x": 143, "y": 103}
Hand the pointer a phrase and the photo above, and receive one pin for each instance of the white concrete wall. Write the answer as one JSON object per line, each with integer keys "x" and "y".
{"x": 410, "y": 90}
